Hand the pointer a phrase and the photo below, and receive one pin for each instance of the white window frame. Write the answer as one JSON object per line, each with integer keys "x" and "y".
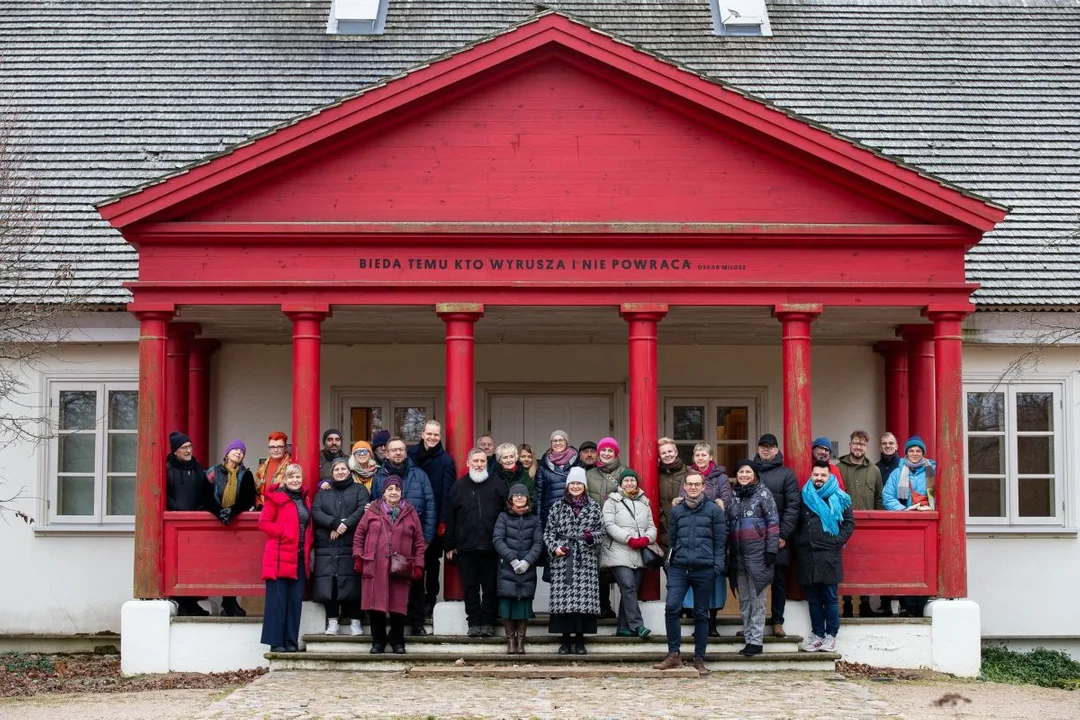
{"x": 1060, "y": 430}
{"x": 711, "y": 399}
{"x": 344, "y": 399}
{"x": 50, "y": 482}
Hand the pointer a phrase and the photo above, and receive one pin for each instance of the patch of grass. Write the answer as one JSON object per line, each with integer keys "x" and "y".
{"x": 17, "y": 662}
{"x": 1046, "y": 668}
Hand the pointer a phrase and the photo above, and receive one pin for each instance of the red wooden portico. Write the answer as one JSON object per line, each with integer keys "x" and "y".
{"x": 555, "y": 165}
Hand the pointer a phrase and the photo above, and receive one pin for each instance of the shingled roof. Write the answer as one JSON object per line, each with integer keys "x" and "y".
{"x": 983, "y": 94}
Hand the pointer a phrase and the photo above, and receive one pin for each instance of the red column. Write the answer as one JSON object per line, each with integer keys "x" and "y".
{"x": 949, "y": 439}
{"x": 795, "y": 343}
{"x": 151, "y": 451}
{"x": 176, "y": 375}
{"x": 895, "y": 353}
{"x": 920, "y": 339}
{"x": 307, "y": 359}
{"x": 644, "y": 414}
{"x": 460, "y": 319}
{"x": 198, "y": 424}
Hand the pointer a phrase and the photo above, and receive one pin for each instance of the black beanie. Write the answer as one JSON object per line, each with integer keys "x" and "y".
{"x": 176, "y": 439}
{"x": 380, "y": 439}
{"x": 330, "y": 431}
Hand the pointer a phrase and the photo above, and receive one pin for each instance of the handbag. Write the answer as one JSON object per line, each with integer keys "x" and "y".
{"x": 652, "y": 556}
{"x": 400, "y": 566}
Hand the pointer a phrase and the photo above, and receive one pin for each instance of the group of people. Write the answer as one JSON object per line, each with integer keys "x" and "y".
{"x": 385, "y": 515}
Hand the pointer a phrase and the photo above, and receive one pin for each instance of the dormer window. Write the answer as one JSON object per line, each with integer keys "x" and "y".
{"x": 740, "y": 18}
{"x": 357, "y": 17}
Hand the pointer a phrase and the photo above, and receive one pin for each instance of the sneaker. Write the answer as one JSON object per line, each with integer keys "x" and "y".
{"x": 812, "y": 643}
{"x": 750, "y": 650}
{"x": 418, "y": 630}
{"x": 331, "y": 627}
{"x": 355, "y": 628}
{"x": 474, "y": 631}
{"x": 828, "y": 644}
{"x": 624, "y": 632}
{"x": 487, "y": 631}
{"x": 643, "y": 632}
{"x": 671, "y": 662}
{"x": 699, "y": 665}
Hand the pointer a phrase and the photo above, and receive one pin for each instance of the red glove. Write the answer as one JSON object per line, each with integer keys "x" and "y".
{"x": 418, "y": 573}
{"x": 638, "y": 543}
{"x": 441, "y": 529}
{"x": 357, "y": 564}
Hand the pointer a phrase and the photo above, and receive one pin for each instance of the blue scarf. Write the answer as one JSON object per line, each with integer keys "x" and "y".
{"x": 829, "y": 503}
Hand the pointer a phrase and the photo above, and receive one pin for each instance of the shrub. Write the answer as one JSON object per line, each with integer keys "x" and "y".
{"x": 1047, "y": 668}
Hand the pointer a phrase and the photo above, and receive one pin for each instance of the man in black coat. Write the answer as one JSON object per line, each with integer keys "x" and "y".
{"x": 476, "y": 502}
{"x": 784, "y": 487}
{"x": 185, "y": 489}
{"x": 331, "y": 451}
{"x": 430, "y": 456}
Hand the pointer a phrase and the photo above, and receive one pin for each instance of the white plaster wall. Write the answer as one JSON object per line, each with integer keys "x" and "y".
{"x": 56, "y": 583}
{"x": 1001, "y": 562}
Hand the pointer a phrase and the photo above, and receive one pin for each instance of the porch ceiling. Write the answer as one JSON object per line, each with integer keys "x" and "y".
{"x": 380, "y": 325}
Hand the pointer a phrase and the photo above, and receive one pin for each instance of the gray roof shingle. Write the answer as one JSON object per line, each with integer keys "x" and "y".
{"x": 984, "y": 94}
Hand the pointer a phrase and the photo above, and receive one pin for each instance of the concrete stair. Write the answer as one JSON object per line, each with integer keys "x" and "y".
{"x": 608, "y": 654}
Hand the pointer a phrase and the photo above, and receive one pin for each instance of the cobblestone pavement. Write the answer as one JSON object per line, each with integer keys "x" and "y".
{"x": 310, "y": 695}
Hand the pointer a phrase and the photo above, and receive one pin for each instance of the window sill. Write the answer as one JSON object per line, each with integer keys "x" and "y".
{"x": 88, "y": 530}
{"x": 1028, "y": 531}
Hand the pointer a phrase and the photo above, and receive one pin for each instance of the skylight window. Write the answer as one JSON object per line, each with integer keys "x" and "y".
{"x": 357, "y": 17}
{"x": 740, "y": 17}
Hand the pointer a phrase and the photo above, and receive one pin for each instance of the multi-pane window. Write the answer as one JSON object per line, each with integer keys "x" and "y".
{"x": 91, "y": 471}
{"x": 405, "y": 418}
{"x": 729, "y": 425}
{"x": 1015, "y": 464}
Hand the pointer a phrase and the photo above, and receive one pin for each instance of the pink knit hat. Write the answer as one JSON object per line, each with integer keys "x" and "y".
{"x": 608, "y": 442}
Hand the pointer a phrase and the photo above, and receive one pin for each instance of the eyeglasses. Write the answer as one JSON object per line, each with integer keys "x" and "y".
{"x": 858, "y": 443}
{"x": 362, "y": 452}
{"x": 186, "y": 446}
{"x": 694, "y": 484}
{"x": 272, "y": 448}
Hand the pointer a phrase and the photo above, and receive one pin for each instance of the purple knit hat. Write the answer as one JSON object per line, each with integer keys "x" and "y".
{"x": 235, "y": 445}
{"x": 392, "y": 480}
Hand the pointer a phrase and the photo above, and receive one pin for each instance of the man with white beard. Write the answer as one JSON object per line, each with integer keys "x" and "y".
{"x": 475, "y": 503}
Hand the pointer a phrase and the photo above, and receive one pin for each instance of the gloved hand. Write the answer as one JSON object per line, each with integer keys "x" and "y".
{"x": 519, "y": 566}
{"x": 357, "y": 564}
{"x": 324, "y": 485}
{"x": 770, "y": 558}
{"x": 638, "y": 543}
{"x": 225, "y": 515}
{"x": 417, "y": 573}
{"x": 441, "y": 530}
{"x": 587, "y": 537}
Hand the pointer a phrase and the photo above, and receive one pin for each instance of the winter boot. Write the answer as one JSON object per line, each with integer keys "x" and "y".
{"x": 671, "y": 662}
{"x": 522, "y": 628}
{"x": 713, "y": 632}
{"x": 510, "y": 627}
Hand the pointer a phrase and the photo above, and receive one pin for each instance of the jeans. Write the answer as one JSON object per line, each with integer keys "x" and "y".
{"x": 824, "y": 609}
{"x": 678, "y": 581}
{"x": 779, "y": 593}
{"x": 628, "y": 580}
{"x": 480, "y": 576}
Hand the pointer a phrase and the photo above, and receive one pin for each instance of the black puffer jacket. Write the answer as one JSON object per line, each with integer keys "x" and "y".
{"x": 518, "y": 537}
{"x": 698, "y": 537}
{"x": 474, "y": 508}
{"x": 185, "y": 484}
{"x": 344, "y": 501}
{"x": 818, "y": 554}
{"x": 782, "y": 483}
{"x": 439, "y": 466}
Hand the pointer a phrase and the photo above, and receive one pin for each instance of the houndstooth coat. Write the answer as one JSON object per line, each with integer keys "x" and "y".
{"x": 574, "y": 577}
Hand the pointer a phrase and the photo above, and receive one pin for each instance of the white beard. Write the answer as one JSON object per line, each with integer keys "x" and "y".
{"x": 478, "y": 476}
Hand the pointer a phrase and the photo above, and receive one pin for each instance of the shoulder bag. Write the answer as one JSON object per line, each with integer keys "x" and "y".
{"x": 652, "y": 556}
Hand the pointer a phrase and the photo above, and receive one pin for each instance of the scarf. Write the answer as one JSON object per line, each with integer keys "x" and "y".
{"x": 576, "y": 503}
{"x": 631, "y": 496}
{"x": 275, "y": 469}
{"x": 563, "y": 458}
{"x": 228, "y": 495}
{"x": 706, "y": 470}
{"x": 745, "y": 491}
{"x": 906, "y": 492}
{"x": 673, "y": 467}
{"x": 694, "y": 503}
{"x": 393, "y": 512}
{"x": 828, "y": 503}
{"x": 330, "y": 455}
{"x": 394, "y": 469}
{"x": 520, "y": 511}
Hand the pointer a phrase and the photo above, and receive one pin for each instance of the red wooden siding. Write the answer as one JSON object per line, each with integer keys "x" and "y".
{"x": 889, "y": 554}
{"x": 550, "y": 144}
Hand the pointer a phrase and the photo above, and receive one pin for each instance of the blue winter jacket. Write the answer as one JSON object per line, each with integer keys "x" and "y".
{"x": 551, "y": 483}
{"x": 890, "y": 493}
{"x": 698, "y": 537}
{"x": 416, "y": 488}
{"x": 441, "y": 470}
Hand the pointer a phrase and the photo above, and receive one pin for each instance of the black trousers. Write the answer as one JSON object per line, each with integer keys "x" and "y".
{"x": 779, "y": 593}
{"x": 281, "y": 618}
{"x": 605, "y": 578}
{"x": 414, "y": 611}
{"x": 378, "y": 628}
{"x": 432, "y": 557}
{"x": 480, "y": 576}
{"x": 342, "y": 608}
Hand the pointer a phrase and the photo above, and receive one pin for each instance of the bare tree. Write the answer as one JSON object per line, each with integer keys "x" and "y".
{"x": 38, "y": 296}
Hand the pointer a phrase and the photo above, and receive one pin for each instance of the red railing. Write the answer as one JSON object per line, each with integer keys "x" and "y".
{"x": 891, "y": 553}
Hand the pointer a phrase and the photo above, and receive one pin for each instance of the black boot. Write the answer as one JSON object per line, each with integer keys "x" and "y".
{"x": 713, "y": 632}
{"x": 579, "y": 646}
{"x": 865, "y": 611}
{"x": 564, "y": 648}
{"x": 231, "y": 608}
{"x": 847, "y": 612}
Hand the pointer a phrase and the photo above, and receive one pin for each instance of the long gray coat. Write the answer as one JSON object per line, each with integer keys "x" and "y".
{"x": 621, "y": 524}
{"x": 574, "y": 577}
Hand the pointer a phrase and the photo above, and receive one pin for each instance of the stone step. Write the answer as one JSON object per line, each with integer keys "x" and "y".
{"x": 552, "y": 664}
{"x": 542, "y": 642}
{"x": 547, "y": 672}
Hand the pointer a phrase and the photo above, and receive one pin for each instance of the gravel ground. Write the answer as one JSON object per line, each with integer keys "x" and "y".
{"x": 156, "y": 704}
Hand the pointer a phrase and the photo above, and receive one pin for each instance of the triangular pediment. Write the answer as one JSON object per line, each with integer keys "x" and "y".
{"x": 551, "y": 123}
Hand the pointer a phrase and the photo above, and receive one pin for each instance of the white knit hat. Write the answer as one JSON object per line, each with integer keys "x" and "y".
{"x": 577, "y": 475}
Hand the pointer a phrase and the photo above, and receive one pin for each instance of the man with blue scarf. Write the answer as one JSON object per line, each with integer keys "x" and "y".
{"x": 825, "y": 525}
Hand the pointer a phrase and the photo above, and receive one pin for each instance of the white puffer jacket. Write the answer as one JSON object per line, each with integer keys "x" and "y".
{"x": 624, "y": 519}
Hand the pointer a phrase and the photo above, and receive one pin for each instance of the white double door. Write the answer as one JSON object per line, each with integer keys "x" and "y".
{"x": 532, "y": 418}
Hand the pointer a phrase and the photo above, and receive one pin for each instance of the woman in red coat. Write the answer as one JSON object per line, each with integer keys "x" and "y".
{"x": 286, "y": 520}
{"x": 389, "y": 525}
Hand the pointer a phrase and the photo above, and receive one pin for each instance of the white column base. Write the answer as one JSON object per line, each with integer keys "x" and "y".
{"x": 956, "y": 634}
{"x": 797, "y": 617}
{"x": 312, "y": 621}
{"x": 144, "y": 636}
{"x": 652, "y": 615}
{"x": 448, "y": 618}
